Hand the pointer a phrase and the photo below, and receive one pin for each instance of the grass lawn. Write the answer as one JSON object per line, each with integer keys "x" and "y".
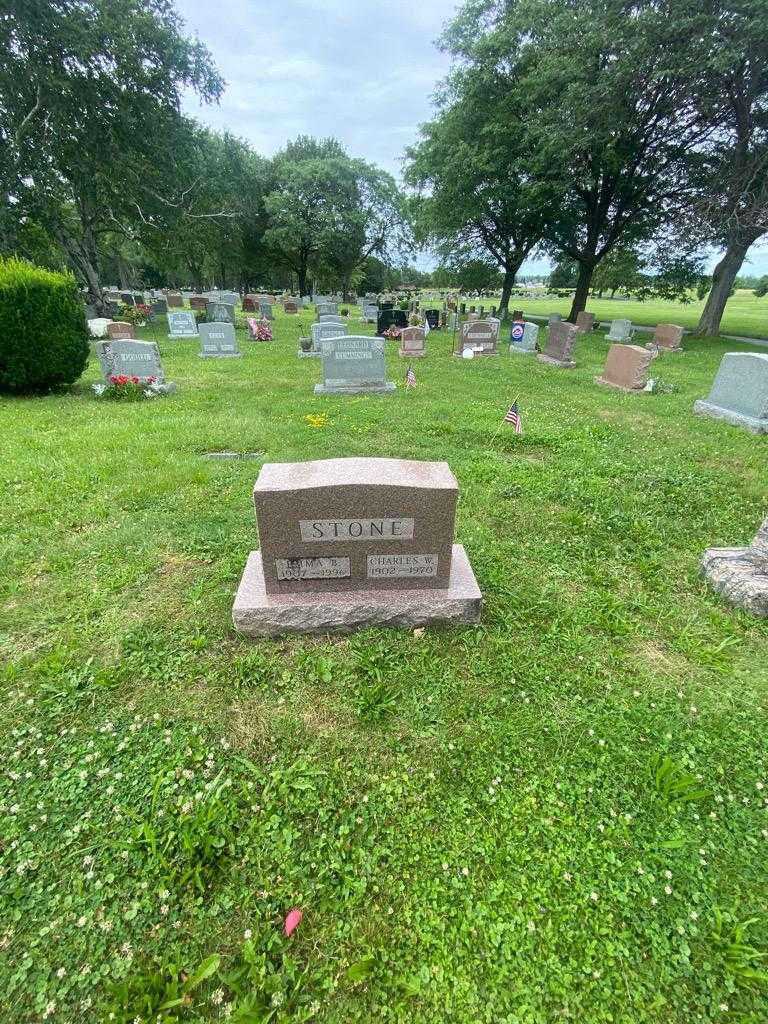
{"x": 469, "y": 819}
{"x": 744, "y": 315}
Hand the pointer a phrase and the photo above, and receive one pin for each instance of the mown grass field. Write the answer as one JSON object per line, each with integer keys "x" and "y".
{"x": 470, "y": 820}
{"x": 744, "y": 315}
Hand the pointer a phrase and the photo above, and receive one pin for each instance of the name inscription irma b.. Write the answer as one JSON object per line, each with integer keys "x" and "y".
{"x": 356, "y": 529}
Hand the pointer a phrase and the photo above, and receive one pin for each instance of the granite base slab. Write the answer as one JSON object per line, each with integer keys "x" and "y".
{"x": 618, "y": 387}
{"x": 517, "y": 350}
{"x": 410, "y": 355}
{"x": 736, "y": 419}
{"x": 308, "y": 355}
{"x": 562, "y": 364}
{"x": 355, "y": 389}
{"x": 739, "y": 577}
{"x": 220, "y": 355}
{"x": 257, "y": 613}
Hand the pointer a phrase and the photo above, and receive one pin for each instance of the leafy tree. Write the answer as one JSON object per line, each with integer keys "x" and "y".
{"x": 477, "y": 194}
{"x": 761, "y": 288}
{"x": 601, "y": 104}
{"x": 620, "y": 269}
{"x": 89, "y": 97}
{"x": 731, "y": 174}
{"x": 565, "y": 273}
{"x": 476, "y": 275}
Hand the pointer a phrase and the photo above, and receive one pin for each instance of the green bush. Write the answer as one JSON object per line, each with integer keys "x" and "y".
{"x": 43, "y": 333}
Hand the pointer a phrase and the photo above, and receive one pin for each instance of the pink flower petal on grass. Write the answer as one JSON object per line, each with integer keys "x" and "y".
{"x": 292, "y": 921}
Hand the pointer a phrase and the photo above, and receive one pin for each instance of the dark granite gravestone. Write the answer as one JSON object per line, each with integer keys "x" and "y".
{"x": 160, "y": 306}
{"x": 220, "y": 313}
{"x": 388, "y": 317}
{"x": 433, "y": 318}
{"x": 347, "y": 543}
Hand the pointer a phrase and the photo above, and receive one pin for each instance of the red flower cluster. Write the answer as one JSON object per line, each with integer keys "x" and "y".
{"x": 392, "y": 332}
{"x": 121, "y": 379}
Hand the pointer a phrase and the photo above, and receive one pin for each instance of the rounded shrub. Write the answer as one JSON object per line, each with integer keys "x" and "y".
{"x": 43, "y": 332}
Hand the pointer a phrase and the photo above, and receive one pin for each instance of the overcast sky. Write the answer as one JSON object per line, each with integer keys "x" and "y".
{"x": 363, "y": 71}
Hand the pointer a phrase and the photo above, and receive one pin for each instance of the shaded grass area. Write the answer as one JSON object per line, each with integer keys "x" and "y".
{"x": 474, "y": 822}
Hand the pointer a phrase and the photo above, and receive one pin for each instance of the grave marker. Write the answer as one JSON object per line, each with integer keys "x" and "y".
{"x": 182, "y": 324}
{"x": 220, "y": 312}
{"x": 740, "y": 575}
{"x": 347, "y": 543}
{"x": 412, "y": 343}
{"x": 120, "y": 329}
{"x": 626, "y": 368}
{"x": 353, "y": 366}
{"x": 140, "y": 359}
{"x": 621, "y": 331}
{"x": 739, "y": 394}
{"x": 218, "y": 340}
{"x": 584, "y": 321}
{"x": 562, "y": 338}
{"x": 524, "y": 338}
{"x": 668, "y": 337}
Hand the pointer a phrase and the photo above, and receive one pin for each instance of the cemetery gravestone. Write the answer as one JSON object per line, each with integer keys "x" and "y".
{"x": 120, "y": 329}
{"x": 160, "y": 306}
{"x": 739, "y": 394}
{"x": 480, "y": 336}
{"x": 412, "y": 342}
{"x": 328, "y": 318}
{"x": 127, "y": 298}
{"x": 231, "y": 298}
{"x": 584, "y": 321}
{"x": 220, "y": 313}
{"x": 250, "y": 304}
{"x": 290, "y": 307}
{"x": 626, "y": 368}
{"x": 668, "y": 337}
{"x": 198, "y": 302}
{"x": 620, "y": 330}
{"x": 524, "y": 338}
{"x": 353, "y": 366}
{"x": 175, "y": 300}
{"x": 740, "y": 575}
{"x": 133, "y": 359}
{"x": 322, "y": 332}
{"x": 348, "y": 543}
{"x": 265, "y": 308}
{"x": 433, "y": 318}
{"x": 390, "y": 317}
{"x": 554, "y": 318}
{"x": 182, "y": 324}
{"x": 562, "y": 338}
{"x": 218, "y": 340}
{"x": 327, "y": 309}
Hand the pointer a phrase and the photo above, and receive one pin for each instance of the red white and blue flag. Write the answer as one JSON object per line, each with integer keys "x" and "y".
{"x": 410, "y": 378}
{"x": 513, "y": 416}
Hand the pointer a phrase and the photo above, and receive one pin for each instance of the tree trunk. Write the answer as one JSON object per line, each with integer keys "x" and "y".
{"x": 586, "y": 270}
{"x": 302, "y": 276}
{"x": 506, "y": 290}
{"x": 723, "y": 277}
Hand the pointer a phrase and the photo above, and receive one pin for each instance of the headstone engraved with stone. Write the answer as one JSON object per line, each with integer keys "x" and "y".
{"x": 125, "y": 357}
{"x": 524, "y": 338}
{"x": 739, "y": 394}
{"x": 120, "y": 329}
{"x": 585, "y": 321}
{"x": 559, "y": 347}
{"x": 740, "y": 575}
{"x": 621, "y": 331}
{"x": 220, "y": 312}
{"x": 349, "y": 543}
{"x": 668, "y": 337}
{"x": 480, "y": 336}
{"x": 626, "y": 368}
{"x": 353, "y": 366}
{"x": 412, "y": 342}
{"x": 218, "y": 340}
{"x": 182, "y": 324}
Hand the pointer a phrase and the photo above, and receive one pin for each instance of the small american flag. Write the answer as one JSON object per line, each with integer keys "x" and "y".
{"x": 513, "y": 416}
{"x": 410, "y": 378}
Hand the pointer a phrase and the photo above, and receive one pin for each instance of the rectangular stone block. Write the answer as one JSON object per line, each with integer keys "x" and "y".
{"x": 218, "y": 340}
{"x": 626, "y": 367}
{"x": 739, "y": 394}
{"x": 182, "y": 324}
{"x": 353, "y": 365}
{"x": 668, "y": 336}
{"x": 355, "y": 524}
{"x": 560, "y": 342}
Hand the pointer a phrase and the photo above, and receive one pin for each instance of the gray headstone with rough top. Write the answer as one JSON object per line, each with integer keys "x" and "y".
{"x": 740, "y": 575}
{"x": 265, "y": 308}
{"x": 353, "y": 366}
{"x": 740, "y": 392}
{"x": 525, "y": 343}
{"x": 620, "y": 331}
{"x": 182, "y": 323}
{"x": 218, "y": 341}
{"x": 324, "y": 331}
{"x": 220, "y": 312}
